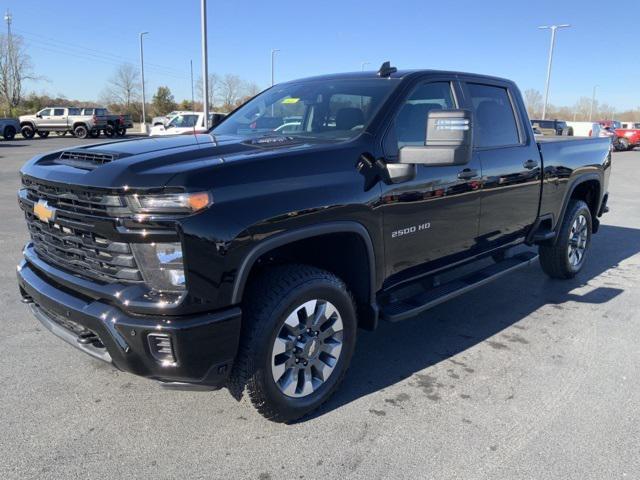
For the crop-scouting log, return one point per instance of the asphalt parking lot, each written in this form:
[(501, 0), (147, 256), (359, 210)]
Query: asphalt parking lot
[(526, 378)]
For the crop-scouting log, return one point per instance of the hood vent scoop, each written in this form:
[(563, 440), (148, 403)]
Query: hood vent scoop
[(84, 159)]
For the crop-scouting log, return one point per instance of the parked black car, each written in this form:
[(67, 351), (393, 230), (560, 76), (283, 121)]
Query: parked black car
[(248, 259), (553, 127)]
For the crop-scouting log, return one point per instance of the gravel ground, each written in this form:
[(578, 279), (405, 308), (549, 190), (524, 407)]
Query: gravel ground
[(524, 378)]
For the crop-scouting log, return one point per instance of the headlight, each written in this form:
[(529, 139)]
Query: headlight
[(161, 265), (169, 203)]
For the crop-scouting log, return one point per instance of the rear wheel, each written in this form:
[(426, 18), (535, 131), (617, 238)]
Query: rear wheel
[(81, 131), (109, 131), (9, 133), (43, 134), (94, 133), (299, 333), (28, 131), (122, 131), (567, 256)]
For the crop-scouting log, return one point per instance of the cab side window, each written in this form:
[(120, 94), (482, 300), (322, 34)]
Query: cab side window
[(58, 112), (411, 122), (494, 119)]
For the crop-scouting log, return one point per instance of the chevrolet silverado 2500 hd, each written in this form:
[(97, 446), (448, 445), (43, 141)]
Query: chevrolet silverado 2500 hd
[(248, 257)]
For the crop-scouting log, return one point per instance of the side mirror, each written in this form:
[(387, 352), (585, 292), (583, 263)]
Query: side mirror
[(38, 115), (448, 140)]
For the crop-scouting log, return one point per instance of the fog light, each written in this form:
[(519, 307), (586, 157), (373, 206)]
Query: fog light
[(161, 347)]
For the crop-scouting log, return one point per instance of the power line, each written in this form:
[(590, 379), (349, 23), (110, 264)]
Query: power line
[(93, 52)]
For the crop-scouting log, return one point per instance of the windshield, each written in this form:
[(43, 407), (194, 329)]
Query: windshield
[(332, 109), (183, 121)]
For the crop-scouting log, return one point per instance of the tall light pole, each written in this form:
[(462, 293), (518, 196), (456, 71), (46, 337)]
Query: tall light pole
[(193, 99), (273, 59), (593, 101), (143, 126), (553, 29), (205, 62), (364, 64), (8, 18)]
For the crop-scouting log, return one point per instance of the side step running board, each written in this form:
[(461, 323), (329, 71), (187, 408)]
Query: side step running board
[(411, 306)]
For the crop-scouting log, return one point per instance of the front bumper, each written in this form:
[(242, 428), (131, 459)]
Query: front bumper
[(204, 345)]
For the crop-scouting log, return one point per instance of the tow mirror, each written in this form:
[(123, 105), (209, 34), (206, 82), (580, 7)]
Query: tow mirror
[(448, 140)]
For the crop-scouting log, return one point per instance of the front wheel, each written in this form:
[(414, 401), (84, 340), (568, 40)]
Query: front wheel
[(299, 333), (122, 131), (567, 256), (27, 131), (622, 144), (94, 133), (43, 134)]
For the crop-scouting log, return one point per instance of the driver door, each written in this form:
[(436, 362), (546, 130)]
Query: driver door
[(435, 215)]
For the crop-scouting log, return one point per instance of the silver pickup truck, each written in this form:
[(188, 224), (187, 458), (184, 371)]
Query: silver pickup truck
[(61, 119)]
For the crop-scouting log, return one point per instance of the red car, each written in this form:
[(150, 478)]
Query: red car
[(628, 135)]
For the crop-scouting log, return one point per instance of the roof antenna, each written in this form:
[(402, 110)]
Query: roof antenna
[(386, 69)]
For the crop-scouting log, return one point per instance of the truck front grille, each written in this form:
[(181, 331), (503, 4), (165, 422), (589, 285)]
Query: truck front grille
[(69, 242), (72, 200)]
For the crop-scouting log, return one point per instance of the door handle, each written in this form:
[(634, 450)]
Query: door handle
[(467, 173), (530, 164)]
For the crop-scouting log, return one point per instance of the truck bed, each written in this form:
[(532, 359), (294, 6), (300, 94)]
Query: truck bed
[(564, 159)]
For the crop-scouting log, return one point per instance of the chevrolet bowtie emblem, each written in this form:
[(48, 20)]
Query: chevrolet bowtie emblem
[(44, 212)]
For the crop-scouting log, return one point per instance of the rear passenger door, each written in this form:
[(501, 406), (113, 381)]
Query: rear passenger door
[(510, 162), (59, 118)]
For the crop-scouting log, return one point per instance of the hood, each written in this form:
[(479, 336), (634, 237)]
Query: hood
[(153, 161)]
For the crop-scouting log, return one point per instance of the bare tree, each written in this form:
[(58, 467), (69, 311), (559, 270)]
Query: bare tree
[(123, 86), (251, 89), (533, 99), (230, 90), (15, 68), (213, 87), (582, 108)]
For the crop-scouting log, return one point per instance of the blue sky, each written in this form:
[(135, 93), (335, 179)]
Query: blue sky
[(77, 45)]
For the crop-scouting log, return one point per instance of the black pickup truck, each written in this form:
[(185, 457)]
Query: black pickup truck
[(249, 256)]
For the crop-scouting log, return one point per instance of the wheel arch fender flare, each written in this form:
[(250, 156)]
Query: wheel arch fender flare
[(303, 233), (569, 193)]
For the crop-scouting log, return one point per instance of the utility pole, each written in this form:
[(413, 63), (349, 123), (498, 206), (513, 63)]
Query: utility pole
[(273, 55), (553, 29), (143, 126), (593, 101), (192, 97), (205, 62)]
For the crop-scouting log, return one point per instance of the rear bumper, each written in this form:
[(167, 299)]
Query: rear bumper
[(204, 345)]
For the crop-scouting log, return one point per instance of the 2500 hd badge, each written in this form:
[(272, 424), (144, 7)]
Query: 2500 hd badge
[(409, 230)]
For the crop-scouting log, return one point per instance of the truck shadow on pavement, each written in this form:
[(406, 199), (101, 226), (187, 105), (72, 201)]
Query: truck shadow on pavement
[(395, 352)]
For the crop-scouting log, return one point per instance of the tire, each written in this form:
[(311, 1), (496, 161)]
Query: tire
[(109, 131), (81, 131), (61, 133), (557, 260), (122, 131), (9, 133), (94, 133), (277, 308), (43, 134), (27, 131), (623, 144)]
